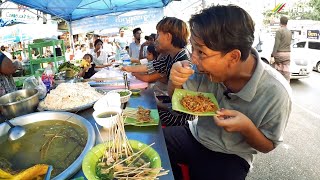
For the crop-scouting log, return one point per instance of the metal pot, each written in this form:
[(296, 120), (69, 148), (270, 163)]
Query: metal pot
[(19, 102)]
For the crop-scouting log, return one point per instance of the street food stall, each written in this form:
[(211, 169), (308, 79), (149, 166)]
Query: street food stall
[(66, 116)]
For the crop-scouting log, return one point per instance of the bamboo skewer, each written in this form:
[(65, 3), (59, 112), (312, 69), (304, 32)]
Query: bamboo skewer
[(118, 146)]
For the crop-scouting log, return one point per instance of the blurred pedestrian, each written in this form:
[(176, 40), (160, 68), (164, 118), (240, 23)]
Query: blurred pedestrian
[(281, 49)]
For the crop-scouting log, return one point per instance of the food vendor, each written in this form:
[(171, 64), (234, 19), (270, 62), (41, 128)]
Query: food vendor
[(7, 68)]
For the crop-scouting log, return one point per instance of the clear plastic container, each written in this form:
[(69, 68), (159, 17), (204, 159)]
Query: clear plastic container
[(126, 59)]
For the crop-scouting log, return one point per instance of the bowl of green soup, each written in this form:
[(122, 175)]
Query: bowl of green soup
[(124, 94), (107, 118), (135, 92)]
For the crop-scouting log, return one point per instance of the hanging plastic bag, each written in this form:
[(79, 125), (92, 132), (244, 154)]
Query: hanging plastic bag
[(33, 83)]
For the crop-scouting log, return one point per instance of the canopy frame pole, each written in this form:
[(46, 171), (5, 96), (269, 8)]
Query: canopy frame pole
[(71, 35), (87, 4)]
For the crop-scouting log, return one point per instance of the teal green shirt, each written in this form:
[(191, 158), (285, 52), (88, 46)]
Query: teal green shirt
[(265, 99)]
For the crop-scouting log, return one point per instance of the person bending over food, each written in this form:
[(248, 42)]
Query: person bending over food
[(255, 99), (172, 37), (152, 55)]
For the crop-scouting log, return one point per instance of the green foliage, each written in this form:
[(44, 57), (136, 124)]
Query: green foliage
[(315, 4), (67, 65)]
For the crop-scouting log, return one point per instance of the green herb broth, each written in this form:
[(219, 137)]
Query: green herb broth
[(55, 142)]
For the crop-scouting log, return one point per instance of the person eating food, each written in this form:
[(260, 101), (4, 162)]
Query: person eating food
[(254, 98), (87, 67)]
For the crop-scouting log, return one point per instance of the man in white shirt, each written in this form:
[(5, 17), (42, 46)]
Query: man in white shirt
[(134, 47)]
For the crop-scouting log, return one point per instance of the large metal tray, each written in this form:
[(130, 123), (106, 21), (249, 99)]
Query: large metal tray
[(47, 116)]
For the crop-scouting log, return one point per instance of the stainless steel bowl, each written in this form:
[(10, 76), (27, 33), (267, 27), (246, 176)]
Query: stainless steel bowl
[(19, 102), (53, 116)]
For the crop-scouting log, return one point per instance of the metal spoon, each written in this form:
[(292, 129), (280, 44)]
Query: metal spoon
[(15, 132)]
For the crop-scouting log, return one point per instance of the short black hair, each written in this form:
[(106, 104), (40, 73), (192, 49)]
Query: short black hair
[(3, 48), (91, 57), (284, 20), (97, 41), (136, 30), (224, 28), (152, 50)]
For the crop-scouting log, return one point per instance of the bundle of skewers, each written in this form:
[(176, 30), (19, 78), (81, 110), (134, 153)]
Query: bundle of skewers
[(141, 115), (121, 161)]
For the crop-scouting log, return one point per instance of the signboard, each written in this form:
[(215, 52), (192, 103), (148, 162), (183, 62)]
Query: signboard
[(313, 34), (26, 32), (20, 14), (132, 18)]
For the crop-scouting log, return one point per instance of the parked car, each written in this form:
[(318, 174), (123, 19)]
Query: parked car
[(305, 55), (310, 49)]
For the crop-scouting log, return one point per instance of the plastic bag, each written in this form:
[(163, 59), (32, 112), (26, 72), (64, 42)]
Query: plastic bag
[(33, 83)]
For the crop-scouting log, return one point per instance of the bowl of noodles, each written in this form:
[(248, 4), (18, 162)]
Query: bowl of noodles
[(94, 169), (195, 103)]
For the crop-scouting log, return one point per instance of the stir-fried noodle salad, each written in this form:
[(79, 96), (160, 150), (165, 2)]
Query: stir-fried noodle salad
[(198, 103)]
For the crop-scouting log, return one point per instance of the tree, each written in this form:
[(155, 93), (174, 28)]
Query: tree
[(315, 4)]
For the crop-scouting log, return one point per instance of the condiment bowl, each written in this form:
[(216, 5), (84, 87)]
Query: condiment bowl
[(107, 118)]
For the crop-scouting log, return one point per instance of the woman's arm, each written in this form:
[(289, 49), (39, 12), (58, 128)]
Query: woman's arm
[(147, 77), (139, 69), (133, 60), (103, 66)]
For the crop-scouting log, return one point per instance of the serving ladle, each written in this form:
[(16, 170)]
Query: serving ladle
[(15, 132)]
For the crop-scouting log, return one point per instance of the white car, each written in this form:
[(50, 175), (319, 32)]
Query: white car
[(305, 54), (309, 50)]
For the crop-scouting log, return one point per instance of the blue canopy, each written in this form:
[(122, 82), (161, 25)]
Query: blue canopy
[(71, 10)]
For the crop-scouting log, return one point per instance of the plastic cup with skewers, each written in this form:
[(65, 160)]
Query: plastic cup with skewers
[(107, 117)]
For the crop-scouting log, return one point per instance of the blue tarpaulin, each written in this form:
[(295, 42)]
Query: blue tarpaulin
[(132, 18), (71, 10)]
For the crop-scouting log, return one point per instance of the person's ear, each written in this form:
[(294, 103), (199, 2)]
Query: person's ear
[(234, 56), (168, 37)]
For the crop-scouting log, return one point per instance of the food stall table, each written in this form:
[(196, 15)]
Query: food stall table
[(113, 78), (147, 134)]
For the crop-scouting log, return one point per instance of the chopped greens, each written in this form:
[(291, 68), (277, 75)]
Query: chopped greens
[(124, 93)]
